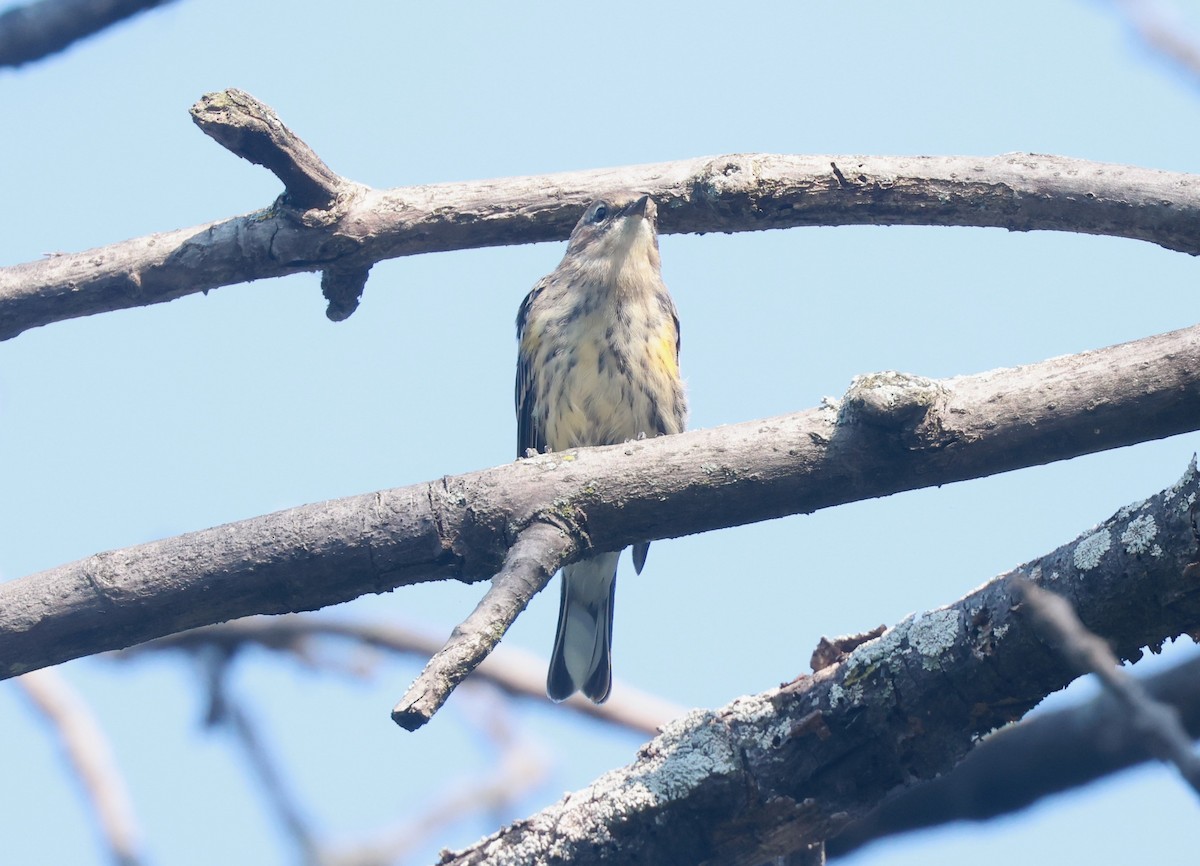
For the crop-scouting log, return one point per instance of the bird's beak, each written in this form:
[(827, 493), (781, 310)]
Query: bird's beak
[(642, 207)]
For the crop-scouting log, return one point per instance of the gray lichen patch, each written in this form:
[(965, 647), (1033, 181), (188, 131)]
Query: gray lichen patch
[(686, 754), (933, 633), (756, 712), (930, 634), (1139, 534), (865, 660), (1091, 550)]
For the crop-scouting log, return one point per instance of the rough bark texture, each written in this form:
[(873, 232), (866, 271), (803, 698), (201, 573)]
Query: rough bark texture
[(738, 192), (771, 773), (890, 433)]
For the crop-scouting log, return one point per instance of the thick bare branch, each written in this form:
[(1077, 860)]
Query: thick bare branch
[(90, 755), (890, 433), (1159, 724), (775, 772), (732, 193), (45, 27), (1022, 763), (531, 561)]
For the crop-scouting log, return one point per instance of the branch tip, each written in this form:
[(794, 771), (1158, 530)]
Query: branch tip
[(532, 560), (252, 130)]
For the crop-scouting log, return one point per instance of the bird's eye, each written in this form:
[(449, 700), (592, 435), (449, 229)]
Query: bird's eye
[(600, 213)]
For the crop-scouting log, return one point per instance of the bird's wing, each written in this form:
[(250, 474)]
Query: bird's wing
[(679, 410), (528, 436)]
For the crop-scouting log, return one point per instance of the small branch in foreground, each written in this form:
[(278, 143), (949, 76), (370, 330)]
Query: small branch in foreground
[(513, 671), (88, 752), (460, 527), (1021, 764), (45, 27), (1159, 724), (532, 560)]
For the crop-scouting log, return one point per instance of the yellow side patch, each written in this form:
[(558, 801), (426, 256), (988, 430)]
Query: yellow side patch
[(664, 353)]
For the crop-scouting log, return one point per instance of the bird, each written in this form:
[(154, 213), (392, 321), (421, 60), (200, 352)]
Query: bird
[(598, 364)]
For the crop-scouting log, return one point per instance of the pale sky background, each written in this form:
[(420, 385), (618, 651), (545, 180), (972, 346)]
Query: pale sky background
[(137, 425)]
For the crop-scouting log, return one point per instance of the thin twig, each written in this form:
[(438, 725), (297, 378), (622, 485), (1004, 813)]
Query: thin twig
[(1022, 764), (513, 671), (531, 562), (1151, 23), (263, 767), (1164, 735), (87, 750)]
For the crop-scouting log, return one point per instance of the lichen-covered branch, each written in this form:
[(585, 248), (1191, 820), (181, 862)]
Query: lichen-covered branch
[(913, 433), (774, 772), (731, 193)]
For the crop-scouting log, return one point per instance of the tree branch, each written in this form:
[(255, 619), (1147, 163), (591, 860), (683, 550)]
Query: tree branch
[(890, 433), (772, 773), (1159, 725), (39, 29), (732, 193), (532, 560), (89, 753), (1024, 763), (243, 125), (1162, 36), (513, 671)]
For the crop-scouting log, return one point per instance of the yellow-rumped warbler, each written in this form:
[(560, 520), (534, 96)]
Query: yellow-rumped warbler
[(598, 364)]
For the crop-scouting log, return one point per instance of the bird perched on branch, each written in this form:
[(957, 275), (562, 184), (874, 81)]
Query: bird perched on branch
[(598, 364)]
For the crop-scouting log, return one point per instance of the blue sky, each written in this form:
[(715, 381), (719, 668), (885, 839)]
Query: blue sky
[(146, 423)]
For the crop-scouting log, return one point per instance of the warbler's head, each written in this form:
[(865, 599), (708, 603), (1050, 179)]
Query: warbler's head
[(619, 230)]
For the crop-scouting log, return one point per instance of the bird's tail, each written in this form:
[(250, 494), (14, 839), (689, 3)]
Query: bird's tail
[(583, 644)]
